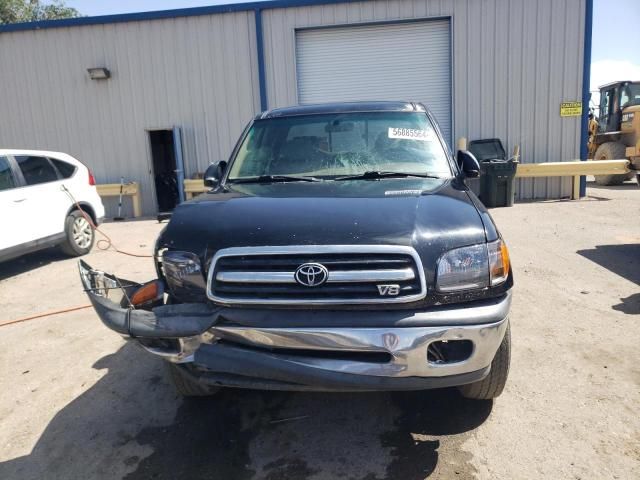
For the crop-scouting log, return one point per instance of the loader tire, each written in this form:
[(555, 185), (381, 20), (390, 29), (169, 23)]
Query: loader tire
[(610, 151)]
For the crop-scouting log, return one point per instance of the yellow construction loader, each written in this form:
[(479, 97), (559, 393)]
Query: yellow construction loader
[(615, 134)]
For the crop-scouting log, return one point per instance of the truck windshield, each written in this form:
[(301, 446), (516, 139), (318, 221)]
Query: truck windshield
[(330, 146)]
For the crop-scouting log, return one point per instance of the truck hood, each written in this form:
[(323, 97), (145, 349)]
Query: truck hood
[(432, 215)]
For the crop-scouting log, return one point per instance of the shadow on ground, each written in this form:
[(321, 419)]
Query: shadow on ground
[(628, 185), (131, 424), (31, 261), (623, 260), (599, 192), (629, 305)]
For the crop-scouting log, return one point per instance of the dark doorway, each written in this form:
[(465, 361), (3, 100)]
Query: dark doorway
[(163, 156)]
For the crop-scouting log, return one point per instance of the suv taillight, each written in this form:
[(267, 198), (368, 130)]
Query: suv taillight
[(92, 179)]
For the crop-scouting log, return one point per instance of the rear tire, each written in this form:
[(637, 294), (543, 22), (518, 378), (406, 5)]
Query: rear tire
[(186, 386), (610, 151), (79, 235), (492, 385)]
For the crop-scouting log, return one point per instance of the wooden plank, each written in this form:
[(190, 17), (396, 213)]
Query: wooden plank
[(194, 187), (575, 190), (113, 189), (136, 199), (130, 189), (570, 169)]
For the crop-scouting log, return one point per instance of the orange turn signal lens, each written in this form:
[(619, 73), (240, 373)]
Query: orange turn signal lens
[(499, 262), (147, 293)]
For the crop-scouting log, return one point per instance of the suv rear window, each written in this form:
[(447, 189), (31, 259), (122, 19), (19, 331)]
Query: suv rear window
[(65, 169), (6, 175), (36, 170)]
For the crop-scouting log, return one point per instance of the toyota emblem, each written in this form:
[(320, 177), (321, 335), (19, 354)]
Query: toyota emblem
[(311, 274)]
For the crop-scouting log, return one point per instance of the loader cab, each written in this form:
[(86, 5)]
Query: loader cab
[(614, 98)]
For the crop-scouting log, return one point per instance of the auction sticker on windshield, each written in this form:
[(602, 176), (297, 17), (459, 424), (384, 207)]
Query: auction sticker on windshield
[(411, 134)]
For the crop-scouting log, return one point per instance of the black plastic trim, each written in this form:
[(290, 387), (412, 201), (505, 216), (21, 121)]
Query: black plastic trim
[(225, 365)]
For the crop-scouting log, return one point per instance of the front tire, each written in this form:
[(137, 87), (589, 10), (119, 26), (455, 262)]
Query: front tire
[(79, 235), (610, 151), (492, 385), (185, 385)]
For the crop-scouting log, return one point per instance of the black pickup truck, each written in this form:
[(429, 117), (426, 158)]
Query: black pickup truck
[(339, 249)]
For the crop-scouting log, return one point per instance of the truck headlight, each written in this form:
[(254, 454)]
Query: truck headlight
[(473, 267), (184, 276)]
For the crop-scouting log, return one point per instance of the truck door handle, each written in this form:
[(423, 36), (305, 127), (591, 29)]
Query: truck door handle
[(18, 200)]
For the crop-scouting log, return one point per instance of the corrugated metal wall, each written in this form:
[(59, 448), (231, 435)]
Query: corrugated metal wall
[(334, 64), (514, 62), (198, 73)]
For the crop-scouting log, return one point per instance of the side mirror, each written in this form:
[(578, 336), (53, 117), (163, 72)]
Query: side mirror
[(468, 164), (213, 174)]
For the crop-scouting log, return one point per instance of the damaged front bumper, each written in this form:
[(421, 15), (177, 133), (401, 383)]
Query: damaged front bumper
[(308, 349)]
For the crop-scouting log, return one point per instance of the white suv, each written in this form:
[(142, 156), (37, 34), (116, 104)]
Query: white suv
[(39, 197)]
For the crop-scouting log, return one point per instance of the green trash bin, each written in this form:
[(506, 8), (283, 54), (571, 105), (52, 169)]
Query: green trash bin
[(497, 175), (497, 179)]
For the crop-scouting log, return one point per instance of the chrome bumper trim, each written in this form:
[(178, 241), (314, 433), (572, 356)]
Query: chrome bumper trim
[(407, 347)]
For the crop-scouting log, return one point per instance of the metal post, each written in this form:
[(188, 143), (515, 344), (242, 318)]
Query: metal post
[(586, 80)]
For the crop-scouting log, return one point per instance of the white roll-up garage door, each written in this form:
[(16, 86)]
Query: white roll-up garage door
[(397, 61)]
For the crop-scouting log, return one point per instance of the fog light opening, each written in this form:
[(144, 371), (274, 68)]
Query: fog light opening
[(449, 351)]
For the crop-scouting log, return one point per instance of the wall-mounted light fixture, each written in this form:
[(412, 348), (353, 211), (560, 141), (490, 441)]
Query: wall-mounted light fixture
[(99, 73)]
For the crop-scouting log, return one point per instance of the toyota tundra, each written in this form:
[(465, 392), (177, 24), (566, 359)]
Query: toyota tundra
[(338, 249)]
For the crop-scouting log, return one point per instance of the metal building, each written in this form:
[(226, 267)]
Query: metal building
[(182, 84)]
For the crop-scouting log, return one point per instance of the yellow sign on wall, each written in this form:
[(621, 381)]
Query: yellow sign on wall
[(570, 109)]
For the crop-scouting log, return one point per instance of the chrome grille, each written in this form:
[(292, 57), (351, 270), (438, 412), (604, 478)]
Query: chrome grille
[(266, 275)]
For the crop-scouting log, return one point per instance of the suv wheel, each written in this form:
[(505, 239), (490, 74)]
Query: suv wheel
[(492, 385), (79, 235), (185, 385)]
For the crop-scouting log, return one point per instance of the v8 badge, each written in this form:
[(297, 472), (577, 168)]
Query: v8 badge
[(389, 290)]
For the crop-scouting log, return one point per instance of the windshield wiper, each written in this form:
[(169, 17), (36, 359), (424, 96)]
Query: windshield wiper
[(376, 174), (274, 179)]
